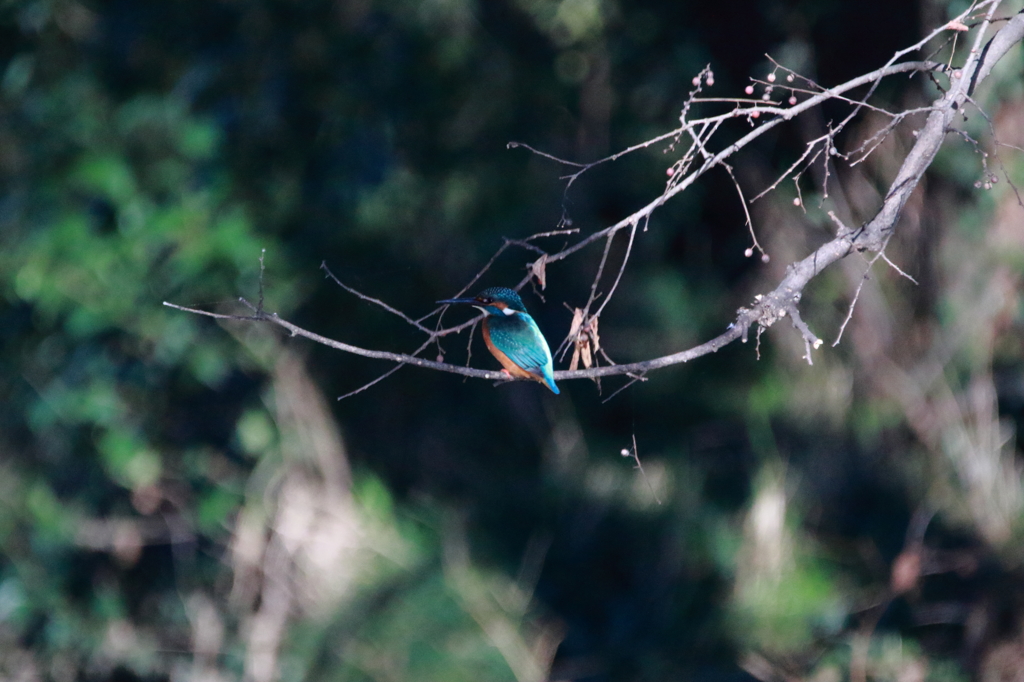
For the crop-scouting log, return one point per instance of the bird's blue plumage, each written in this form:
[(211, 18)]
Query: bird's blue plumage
[(501, 296), (512, 336), (519, 337)]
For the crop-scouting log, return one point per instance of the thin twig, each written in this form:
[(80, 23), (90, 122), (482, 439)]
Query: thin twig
[(853, 302), (634, 379), (622, 268), (746, 209), (634, 453), (362, 296)]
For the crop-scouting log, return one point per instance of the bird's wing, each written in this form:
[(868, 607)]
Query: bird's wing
[(520, 339)]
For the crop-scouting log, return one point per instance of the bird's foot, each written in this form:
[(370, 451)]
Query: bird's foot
[(506, 378)]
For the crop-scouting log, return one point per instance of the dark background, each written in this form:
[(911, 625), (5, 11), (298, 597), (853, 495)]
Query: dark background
[(150, 152)]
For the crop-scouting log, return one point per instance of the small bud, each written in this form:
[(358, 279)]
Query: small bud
[(789, 78), (833, 151), (957, 74), (765, 258), (748, 253), (670, 171), (796, 201), (765, 97), (987, 185), (624, 452), (755, 114), (977, 184), (792, 100), (749, 89), (710, 79), (993, 179), (696, 81), (771, 78)]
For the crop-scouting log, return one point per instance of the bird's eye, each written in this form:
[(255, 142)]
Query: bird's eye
[(485, 300)]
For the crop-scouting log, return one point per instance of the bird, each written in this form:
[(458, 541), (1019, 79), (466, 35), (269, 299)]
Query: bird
[(512, 336)]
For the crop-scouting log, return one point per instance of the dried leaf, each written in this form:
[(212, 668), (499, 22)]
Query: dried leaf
[(594, 338), (957, 25), (574, 363), (539, 269), (585, 353), (577, 321)]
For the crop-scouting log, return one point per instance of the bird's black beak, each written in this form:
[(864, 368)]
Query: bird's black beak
[(459, 300)]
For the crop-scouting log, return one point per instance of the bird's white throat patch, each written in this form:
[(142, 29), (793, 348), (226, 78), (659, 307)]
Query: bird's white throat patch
[(507, 311)]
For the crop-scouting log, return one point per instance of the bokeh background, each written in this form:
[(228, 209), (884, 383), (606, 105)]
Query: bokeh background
[(187, 500)]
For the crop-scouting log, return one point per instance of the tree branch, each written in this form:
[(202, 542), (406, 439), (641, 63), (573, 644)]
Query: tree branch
[(784, 299)]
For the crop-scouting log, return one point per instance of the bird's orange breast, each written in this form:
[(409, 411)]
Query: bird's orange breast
[(506, 362)]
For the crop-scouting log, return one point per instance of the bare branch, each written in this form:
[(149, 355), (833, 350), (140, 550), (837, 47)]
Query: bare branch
[(634, 378), (622, 268), (635, 454), (811, 342), (895, 267), (853, 302), (746, 208), (767, 309), (364, 297), (782, 116)]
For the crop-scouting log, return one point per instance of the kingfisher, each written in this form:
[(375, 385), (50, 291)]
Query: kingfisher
[(512, 336)]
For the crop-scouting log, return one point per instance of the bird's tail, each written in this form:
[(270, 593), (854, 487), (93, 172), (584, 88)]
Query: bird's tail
[(549, 381)]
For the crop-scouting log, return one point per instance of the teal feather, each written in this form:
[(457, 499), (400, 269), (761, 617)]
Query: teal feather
[(512, 335), (519, 337)]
